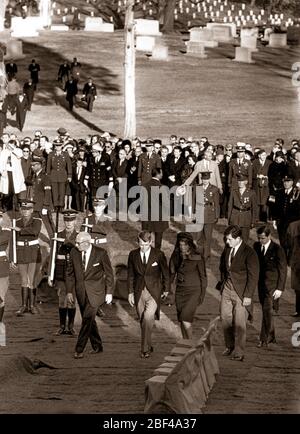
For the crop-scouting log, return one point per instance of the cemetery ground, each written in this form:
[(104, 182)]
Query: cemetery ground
[(215, 97)]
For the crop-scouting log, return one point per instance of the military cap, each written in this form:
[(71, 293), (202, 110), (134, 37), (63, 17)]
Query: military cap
[(241, 177), (27, 203), (148, 142), (205, 175), (98, 200), (69, 214), (240, 148), (37, 156), (57, 142), (62, 131), (288, 178), (279, 154)]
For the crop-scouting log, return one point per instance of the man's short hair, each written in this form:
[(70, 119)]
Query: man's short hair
[(145, 236), (265, 229), (156, 171), (178, 148), (234, 230)]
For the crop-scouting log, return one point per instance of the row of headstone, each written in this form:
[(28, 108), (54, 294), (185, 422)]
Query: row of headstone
[(148, 39), (96, 24)]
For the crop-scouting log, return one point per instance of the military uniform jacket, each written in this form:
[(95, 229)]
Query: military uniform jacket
[(64, 247), (89, 90), (245, 168), (146, 165), (5, 236), (98, 229), (211, 199), (242, 209), (28, 248), (99, 174), (59, 167), (40, 189), (287, 206), (261, 185)]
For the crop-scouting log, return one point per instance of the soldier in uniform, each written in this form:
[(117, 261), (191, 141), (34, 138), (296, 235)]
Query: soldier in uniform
[(242, 207), (65, 242), (239, 166), (59, 169), (147, 162), (4, 264), (211, 214), (40, 191), (98, 225), (28, 254), (98, 172), (287, 206)]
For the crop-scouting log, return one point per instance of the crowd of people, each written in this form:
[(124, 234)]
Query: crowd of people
[(242, 184)]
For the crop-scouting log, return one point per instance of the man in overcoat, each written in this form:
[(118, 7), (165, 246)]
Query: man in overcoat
[(148, 280)]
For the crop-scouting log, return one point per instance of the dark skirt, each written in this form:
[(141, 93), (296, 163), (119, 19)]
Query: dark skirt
[(187, 301)]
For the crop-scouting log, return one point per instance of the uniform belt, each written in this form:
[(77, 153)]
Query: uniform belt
[(61, 257), (241, 209), (99, 240), (27, 243), (2, 253)]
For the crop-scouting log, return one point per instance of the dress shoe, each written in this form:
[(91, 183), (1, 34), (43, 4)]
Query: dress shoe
[(261, 344), (97, 350), (78, 356), (227, 352), (237, 358), (33, 310), (60, 331), (296, 314), (70, 332), (21, 311), (272, 341), (144, 354)]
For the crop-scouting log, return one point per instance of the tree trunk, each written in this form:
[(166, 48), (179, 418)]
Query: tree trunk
[(168, 26), (3, 4), (129, 73)]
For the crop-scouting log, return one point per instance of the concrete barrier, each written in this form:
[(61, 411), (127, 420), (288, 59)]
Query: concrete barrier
[(182, 383)]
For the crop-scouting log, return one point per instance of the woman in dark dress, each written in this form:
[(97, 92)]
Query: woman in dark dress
[(188, 266)]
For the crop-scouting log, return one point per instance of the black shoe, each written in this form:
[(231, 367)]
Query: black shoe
[(78, 355), (227, 352), (262, 344), (296, 314), (237, 358), (97, 350), (144, 354), (272, 341), (21, 311), (60, 331), (100, 313)]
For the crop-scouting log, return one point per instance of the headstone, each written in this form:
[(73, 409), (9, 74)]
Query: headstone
[(25, 27), (249, 38), (205, 36), (267, 33), (243, 54), (145, 43), (14, 50), (59, 28), (160, 51), (231, 25), (196, 49), (278, 40), (96, 24), (147, 27), (45, 12), (222, 34)]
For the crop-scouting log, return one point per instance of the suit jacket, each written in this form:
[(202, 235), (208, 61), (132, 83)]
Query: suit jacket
[(150, 224), (272, 267), (175, 169), (244, 271), (146, 165), (77, 184), (96, 281), (261, 185), (293, 170), (155, 276), (201, 167)]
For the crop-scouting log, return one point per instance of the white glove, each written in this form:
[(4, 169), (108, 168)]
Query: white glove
[(131, 299), (86, 183), (246, 301), (44, 211), (50, 282), (108, 298), (276, 294), (70, 298)]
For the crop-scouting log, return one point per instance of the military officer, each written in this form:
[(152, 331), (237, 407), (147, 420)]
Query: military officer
[(59, 169), (65, 242), (239, 166), (98, 172), (39, 188), (28, 254), (211, 211), (148, 161), (242, 207), (98, 224), (5, 236)]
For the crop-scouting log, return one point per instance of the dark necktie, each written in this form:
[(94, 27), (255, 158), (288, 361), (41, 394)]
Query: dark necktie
[(231, 257), (84, 260), (144, 259), (263, 250)]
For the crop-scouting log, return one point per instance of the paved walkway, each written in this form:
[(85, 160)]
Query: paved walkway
[(268, 381)]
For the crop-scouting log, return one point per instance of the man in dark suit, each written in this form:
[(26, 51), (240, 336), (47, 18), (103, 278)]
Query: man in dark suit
[(71, 91), (272, 278), (34, 69), (90, 272), (148, 280), (89, 94), (21, 110), (154, 222), (78, 188), (11, 70), (28, 90), (239, 269)]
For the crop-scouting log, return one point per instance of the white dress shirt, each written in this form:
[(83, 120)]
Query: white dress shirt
[(147, 254), (88, 254), (266, 246)]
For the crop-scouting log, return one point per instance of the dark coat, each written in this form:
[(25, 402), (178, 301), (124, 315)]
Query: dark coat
[(21, 110), (261, 185), (244, 271), (99, 174), (149, 225), (235, 169), (146, 165), (176, 170), (71, 89), (272, 268), (28, 89), (40, 190), (155, 276), (5, 236), (59, 167), (95, 282), (211, 204), (293, 170), (276, 172), (293, 253), (89, 90), (34, 69)]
